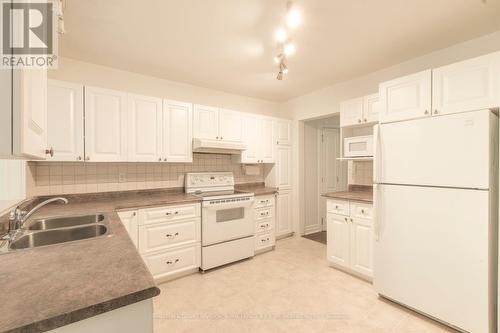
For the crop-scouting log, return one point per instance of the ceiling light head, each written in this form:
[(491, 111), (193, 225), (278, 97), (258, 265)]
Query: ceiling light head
[(289, 49), (280, 35), (280, 76), (278, 58), (293, 17), (283, 68)]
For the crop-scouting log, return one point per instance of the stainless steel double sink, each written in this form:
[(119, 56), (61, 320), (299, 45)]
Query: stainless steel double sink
[(57, 230)]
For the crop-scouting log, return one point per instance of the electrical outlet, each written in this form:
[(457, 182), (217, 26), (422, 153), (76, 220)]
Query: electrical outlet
[(122, 177)]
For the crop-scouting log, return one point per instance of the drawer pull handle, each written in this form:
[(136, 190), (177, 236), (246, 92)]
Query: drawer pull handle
[(345, 218), (362, 211), (174, 262), (170, 213), (170, 235)]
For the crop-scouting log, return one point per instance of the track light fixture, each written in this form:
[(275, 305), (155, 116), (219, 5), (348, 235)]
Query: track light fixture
[(286, 48)]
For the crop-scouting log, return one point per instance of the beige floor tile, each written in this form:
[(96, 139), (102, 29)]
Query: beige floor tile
[(291, 289)]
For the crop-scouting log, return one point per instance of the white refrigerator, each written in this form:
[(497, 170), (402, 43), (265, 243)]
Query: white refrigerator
[(436, 202)]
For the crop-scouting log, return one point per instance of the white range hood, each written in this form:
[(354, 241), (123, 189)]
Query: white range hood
[(217, 147)]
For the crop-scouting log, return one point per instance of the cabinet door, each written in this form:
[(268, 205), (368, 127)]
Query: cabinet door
[(284, 167), (338, 239), (268, 141), (144, 128), (129, 221), (30, 113), (65, 120), (466, 86), (362, 246), (252, 139), (406, 98), (205, 122), (105, 125), (177, 131), (371, 106), (284, 216), (284, 132), (351, 112), (230, 126)]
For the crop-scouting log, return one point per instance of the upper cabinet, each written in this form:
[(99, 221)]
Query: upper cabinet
[(65, 121), (206, 122), (469, 85), (105, 125), (144, 128), (28, 116), (217, 124), (407, 97), (359, 111), (260, 139), (284, 132), (177, 131)]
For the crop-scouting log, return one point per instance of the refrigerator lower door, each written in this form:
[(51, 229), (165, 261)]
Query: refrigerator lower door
[(433, 252), (450, 151)]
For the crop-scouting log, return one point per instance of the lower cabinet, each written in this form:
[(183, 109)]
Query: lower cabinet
[(284, 217), (350, 237), (265, 222), (168, 238)]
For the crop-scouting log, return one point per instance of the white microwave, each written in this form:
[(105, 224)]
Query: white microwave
[(358, 146)]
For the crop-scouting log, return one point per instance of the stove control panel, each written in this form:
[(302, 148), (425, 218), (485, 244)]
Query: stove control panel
[(203, 181)]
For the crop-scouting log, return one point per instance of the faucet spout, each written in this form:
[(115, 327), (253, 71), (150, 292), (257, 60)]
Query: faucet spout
[(24, 218)]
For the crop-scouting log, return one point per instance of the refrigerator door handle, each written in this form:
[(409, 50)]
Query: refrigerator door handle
[(376, 154), (376, 215)]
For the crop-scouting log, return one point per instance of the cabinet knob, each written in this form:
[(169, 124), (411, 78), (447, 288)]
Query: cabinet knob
[(221, 138), (359, 120), (345, 218), (87, 158), (134, 214), (159, 160), (426, 112), (164, 160), (436, 111), (217, 138), (79, 158), (366, 120), (362, 211), (50, 152), (352, 220)]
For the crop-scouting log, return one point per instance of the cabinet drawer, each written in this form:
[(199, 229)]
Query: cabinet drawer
[(264, 213), (264, 201), (155, 237), (264, 226), (338, 207), (168, 213), (264, 240), (361, 210), (175, 261)]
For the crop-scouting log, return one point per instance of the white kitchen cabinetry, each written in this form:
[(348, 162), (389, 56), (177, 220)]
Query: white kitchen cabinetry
[(129, 221), (169, 239), (284, 132), (144, 128), (65, 121), (283, 217), (405, 98), (217, 124), (284, 168), (265, 222), (350, 236), (359, 111), (105, 125), (259, 137), (466, 86), (177, 131)]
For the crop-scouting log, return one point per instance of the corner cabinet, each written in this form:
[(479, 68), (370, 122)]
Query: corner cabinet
[(105, 125), (350, 236), (65, 121)]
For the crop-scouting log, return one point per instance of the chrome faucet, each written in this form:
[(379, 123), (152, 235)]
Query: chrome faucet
[(18, 217)]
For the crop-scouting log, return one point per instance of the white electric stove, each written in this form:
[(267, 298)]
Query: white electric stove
[(227, 222)]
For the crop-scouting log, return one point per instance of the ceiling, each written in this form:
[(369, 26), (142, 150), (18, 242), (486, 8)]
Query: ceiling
[(229, 45)]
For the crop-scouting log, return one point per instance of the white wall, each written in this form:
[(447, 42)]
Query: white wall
[(107, 77), (326, 101)]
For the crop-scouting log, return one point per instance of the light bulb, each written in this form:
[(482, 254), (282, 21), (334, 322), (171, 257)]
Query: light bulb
[(285, 71), (293, 18), (289, 49), (280, 35)]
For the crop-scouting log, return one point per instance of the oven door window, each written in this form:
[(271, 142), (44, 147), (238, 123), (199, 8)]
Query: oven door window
[(226, 215)]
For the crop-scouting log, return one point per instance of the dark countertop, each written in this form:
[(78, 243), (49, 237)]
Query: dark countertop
[(257, 188), (362, 196), (52, 286)]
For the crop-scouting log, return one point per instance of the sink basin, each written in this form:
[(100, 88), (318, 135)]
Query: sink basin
[(56, 236), (64, 222)]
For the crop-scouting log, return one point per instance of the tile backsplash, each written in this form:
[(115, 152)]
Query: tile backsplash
[(51, 178), (360, 173)]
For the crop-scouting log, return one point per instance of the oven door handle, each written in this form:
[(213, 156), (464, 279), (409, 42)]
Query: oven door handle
[(237, 204)]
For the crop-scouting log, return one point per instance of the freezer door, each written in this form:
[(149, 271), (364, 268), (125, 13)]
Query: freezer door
[(449, 151), (431, 253)]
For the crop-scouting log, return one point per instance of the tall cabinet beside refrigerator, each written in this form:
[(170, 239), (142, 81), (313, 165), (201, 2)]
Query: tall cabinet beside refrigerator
[(436, 203)]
